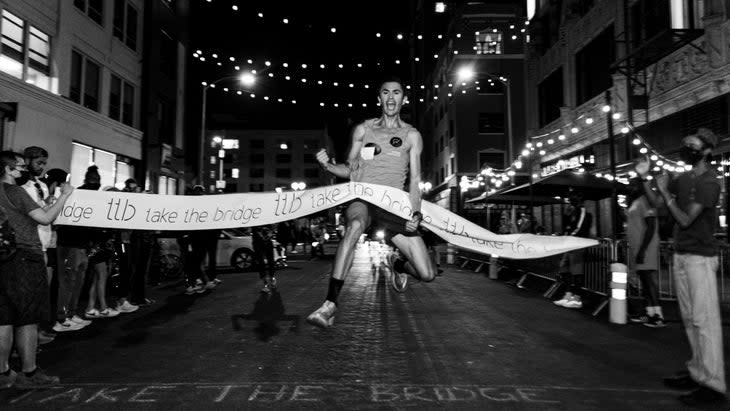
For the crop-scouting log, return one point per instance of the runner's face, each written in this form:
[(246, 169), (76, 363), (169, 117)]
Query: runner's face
[(391, 97), (37, 166)]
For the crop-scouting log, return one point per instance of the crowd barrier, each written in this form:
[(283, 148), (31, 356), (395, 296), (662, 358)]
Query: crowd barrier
[(596, 269)]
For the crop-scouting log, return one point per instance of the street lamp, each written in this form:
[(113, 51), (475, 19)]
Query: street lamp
[(298, 185), (248, 79)]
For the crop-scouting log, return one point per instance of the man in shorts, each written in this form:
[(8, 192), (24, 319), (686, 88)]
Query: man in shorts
[(23, 285), (386, 151)]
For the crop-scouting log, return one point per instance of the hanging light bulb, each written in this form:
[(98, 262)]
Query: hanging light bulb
[(654, 157), (525, 152), (561, 137), (636, 142), (643, 150), (624, 130), (539, 144), (550, 141), (574, 130), (518, 164), (606, 108), (616, 116), (542, 152), (589, 120)]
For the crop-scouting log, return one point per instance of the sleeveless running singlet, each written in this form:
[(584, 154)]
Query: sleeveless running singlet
[(384, 156)]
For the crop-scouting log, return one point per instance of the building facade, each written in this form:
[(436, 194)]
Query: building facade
[(642, 73), (472, 113), (264, 160), (72, 80)]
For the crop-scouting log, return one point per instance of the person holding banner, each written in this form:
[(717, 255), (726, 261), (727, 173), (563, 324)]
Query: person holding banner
[(386, 151), (23, 283)]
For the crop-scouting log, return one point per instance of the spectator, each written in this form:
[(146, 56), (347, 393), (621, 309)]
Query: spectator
[(100, 253), (643, 236), (193, 249), (576, 223), (23, 283), (73, 244), (263, 249), (138, 256), (524, 224), (36, 159), (283, 234), (692, 199), (54, 179)]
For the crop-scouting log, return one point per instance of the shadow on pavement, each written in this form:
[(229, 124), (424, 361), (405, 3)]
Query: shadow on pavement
[(267, 311)]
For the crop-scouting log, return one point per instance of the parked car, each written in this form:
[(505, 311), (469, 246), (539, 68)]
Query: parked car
[(235, 249)]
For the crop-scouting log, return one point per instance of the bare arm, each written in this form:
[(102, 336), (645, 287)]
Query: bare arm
[(47, 214), (648, 235), (654, 199), (415, 167), (343, 170)]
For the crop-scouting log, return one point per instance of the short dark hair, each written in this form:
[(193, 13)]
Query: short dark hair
[(8, 158), (130, 181), (35, 152), (390, 79), (55, 175)]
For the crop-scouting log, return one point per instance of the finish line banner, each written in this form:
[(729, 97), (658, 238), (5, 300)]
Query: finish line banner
[(133, 211)]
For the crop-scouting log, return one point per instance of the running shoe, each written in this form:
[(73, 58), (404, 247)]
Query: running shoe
[(39, 379), (210, 285), (655, 322), (105, 313), (66, 325), (398, 280), (574, 302), (639, 319), (80, 321), (561, 302), (127, 307), (324, 317)]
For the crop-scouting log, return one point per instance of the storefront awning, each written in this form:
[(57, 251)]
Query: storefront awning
[(559, 184)]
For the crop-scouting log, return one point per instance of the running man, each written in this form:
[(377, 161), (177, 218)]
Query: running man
[(386, 151)]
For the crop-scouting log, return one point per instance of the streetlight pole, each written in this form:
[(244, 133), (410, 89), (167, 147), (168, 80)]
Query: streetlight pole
[(248, 79)]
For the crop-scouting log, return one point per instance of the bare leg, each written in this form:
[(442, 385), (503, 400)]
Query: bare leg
[(419, 262), (358, 220), (26, 341), (102, 272), (6, 345), (92, 290)]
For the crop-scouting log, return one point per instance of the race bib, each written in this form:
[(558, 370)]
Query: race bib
[(367, 153)]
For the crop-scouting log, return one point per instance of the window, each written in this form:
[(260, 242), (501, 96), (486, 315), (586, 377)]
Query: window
[(84, 88), (550, 97), (283, 172), (592, 64), (125, 23), (19, 41), (491, 158), (309, 158), (13, 44), (311, 173), (114, 170), (256, 144), (167, 185), (283, 158), (452, 161), (256, 158), (92, 8), (256, 172), (121, 101), (488, 42), (491, 123)]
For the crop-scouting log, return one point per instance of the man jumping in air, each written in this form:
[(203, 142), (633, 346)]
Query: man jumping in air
[(385, 151)]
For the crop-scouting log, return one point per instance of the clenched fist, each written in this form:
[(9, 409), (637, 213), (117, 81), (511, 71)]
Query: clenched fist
[(323, 157)]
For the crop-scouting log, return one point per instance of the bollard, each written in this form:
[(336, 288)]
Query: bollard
[(617, 305), (449, 254), (493, 268)]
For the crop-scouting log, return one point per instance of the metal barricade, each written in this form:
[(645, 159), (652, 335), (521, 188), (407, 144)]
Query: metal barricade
[(596, 266), (665, 277)]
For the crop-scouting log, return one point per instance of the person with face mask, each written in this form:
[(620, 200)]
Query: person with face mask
[(23, 284), (692, 198), (576, 223)]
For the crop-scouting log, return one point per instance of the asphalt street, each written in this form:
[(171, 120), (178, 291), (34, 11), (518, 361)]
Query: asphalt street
[(461, 342)]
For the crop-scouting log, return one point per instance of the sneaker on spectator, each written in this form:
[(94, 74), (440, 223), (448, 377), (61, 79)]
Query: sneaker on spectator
[(574, 302), (655, 322), (561, 302), (143, 303), (38, 380), (80, 321), (7, 381), (217, 281), (126, 307), (191, 289), (639, 319), (66, 325), (108, 313), (210, 285)]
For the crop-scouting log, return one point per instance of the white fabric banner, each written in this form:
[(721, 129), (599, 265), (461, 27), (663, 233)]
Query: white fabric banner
[(112, 209)]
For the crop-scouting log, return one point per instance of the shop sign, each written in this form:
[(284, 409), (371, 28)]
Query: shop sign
[(568, 164)]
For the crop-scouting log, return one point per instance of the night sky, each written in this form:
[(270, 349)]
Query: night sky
[(307, 39)]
